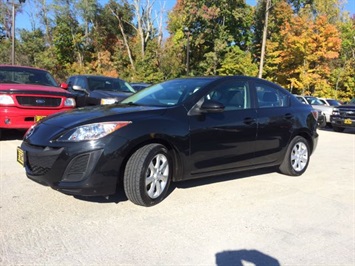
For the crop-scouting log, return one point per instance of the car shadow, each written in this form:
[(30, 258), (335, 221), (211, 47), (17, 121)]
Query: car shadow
[(12, 134), (240, 257), (346, 130), (221, 178), (120, 195)]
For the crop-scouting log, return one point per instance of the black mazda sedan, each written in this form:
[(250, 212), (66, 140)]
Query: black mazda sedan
[(176, 130)]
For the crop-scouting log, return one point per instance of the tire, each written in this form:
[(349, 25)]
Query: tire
[(323, 124), (297, 157), (148, 175), (338, 129)]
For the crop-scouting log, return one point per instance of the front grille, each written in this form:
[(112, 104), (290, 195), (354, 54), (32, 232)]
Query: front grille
[(350, 113), (38, 101), (40, 165)]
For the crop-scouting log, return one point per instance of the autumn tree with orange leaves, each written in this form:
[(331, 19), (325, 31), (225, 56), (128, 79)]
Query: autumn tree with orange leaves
[(308, 48)]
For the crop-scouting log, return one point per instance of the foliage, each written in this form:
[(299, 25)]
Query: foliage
[(304, 58), (211, 27), (238, 62)]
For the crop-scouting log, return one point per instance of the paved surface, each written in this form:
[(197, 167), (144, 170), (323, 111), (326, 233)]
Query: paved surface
[(254, 218)]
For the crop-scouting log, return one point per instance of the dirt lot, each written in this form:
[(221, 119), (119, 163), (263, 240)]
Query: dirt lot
[(253, 218)]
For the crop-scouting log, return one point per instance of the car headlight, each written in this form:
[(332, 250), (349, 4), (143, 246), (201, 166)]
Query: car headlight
[(335, 111), (69, 102), (108, 101), (6, 100), (92, 131)]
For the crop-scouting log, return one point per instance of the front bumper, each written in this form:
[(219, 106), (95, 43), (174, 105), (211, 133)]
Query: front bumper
[(74, 170), (342, 122), (24, 118)]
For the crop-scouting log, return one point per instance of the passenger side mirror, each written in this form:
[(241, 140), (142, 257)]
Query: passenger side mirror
[(64, 86)]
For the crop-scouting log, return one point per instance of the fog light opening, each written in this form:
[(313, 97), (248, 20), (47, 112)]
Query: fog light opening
[(7, 121)]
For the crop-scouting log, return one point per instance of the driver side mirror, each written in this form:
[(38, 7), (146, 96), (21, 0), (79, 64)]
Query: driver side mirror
[(210, 106), (78, 88)]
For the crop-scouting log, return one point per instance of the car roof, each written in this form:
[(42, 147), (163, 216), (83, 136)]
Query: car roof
[(93, 76), (24, 67)]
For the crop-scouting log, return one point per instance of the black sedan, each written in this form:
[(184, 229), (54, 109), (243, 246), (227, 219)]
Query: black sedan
[(173, 131), (95, 90)]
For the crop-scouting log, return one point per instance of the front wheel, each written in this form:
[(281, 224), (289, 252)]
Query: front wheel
[(297, 157), (147, 175)]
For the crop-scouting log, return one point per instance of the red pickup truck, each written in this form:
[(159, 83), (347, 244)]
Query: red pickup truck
[(27, 95)]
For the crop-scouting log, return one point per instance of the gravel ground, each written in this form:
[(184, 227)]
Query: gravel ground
[(252, 218)]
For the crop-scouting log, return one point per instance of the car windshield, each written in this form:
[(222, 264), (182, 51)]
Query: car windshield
[(333, 102), (314, 101), (168, 93), (23, 75), (109, 84)]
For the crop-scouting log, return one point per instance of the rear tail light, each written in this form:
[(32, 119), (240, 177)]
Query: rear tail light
[(315, 114)]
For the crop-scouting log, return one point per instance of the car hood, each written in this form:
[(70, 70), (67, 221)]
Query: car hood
[(87, 115), (323, 108), (346, 106), (25, 88), (110, 94)]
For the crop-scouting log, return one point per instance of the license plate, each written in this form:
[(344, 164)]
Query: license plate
[(348, 121), (39, 117), (20, 156)]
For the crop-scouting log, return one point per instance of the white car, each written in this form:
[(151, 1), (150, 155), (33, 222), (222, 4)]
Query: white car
[(317, 105)]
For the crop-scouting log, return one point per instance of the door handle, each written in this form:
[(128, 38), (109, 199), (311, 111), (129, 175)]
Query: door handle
[(248, 120), (288, 116)]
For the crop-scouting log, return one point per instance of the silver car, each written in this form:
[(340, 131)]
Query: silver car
[(318, 105)]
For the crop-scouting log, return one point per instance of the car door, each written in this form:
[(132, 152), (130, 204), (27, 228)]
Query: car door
[(275, 122), (224, 141)]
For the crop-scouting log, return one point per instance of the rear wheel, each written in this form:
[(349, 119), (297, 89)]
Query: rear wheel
[(297, 157), (147, 175), (338, 129)]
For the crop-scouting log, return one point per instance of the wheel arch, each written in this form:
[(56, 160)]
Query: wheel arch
[(174, 151), (308, 137)]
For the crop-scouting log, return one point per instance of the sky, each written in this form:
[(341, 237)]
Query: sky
[(23, 19)]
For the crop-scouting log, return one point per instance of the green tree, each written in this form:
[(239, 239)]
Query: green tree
[(343, 74), (212, 28), (238, 62), (32, 46)]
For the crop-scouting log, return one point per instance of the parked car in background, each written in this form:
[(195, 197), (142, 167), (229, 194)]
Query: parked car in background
[(176, 130), (343, 117), (318, 105), (330, 102), (96, 90), (27, 95), (137, 86)]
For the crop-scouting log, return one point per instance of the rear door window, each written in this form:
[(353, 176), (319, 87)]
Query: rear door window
[(269, 96)]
